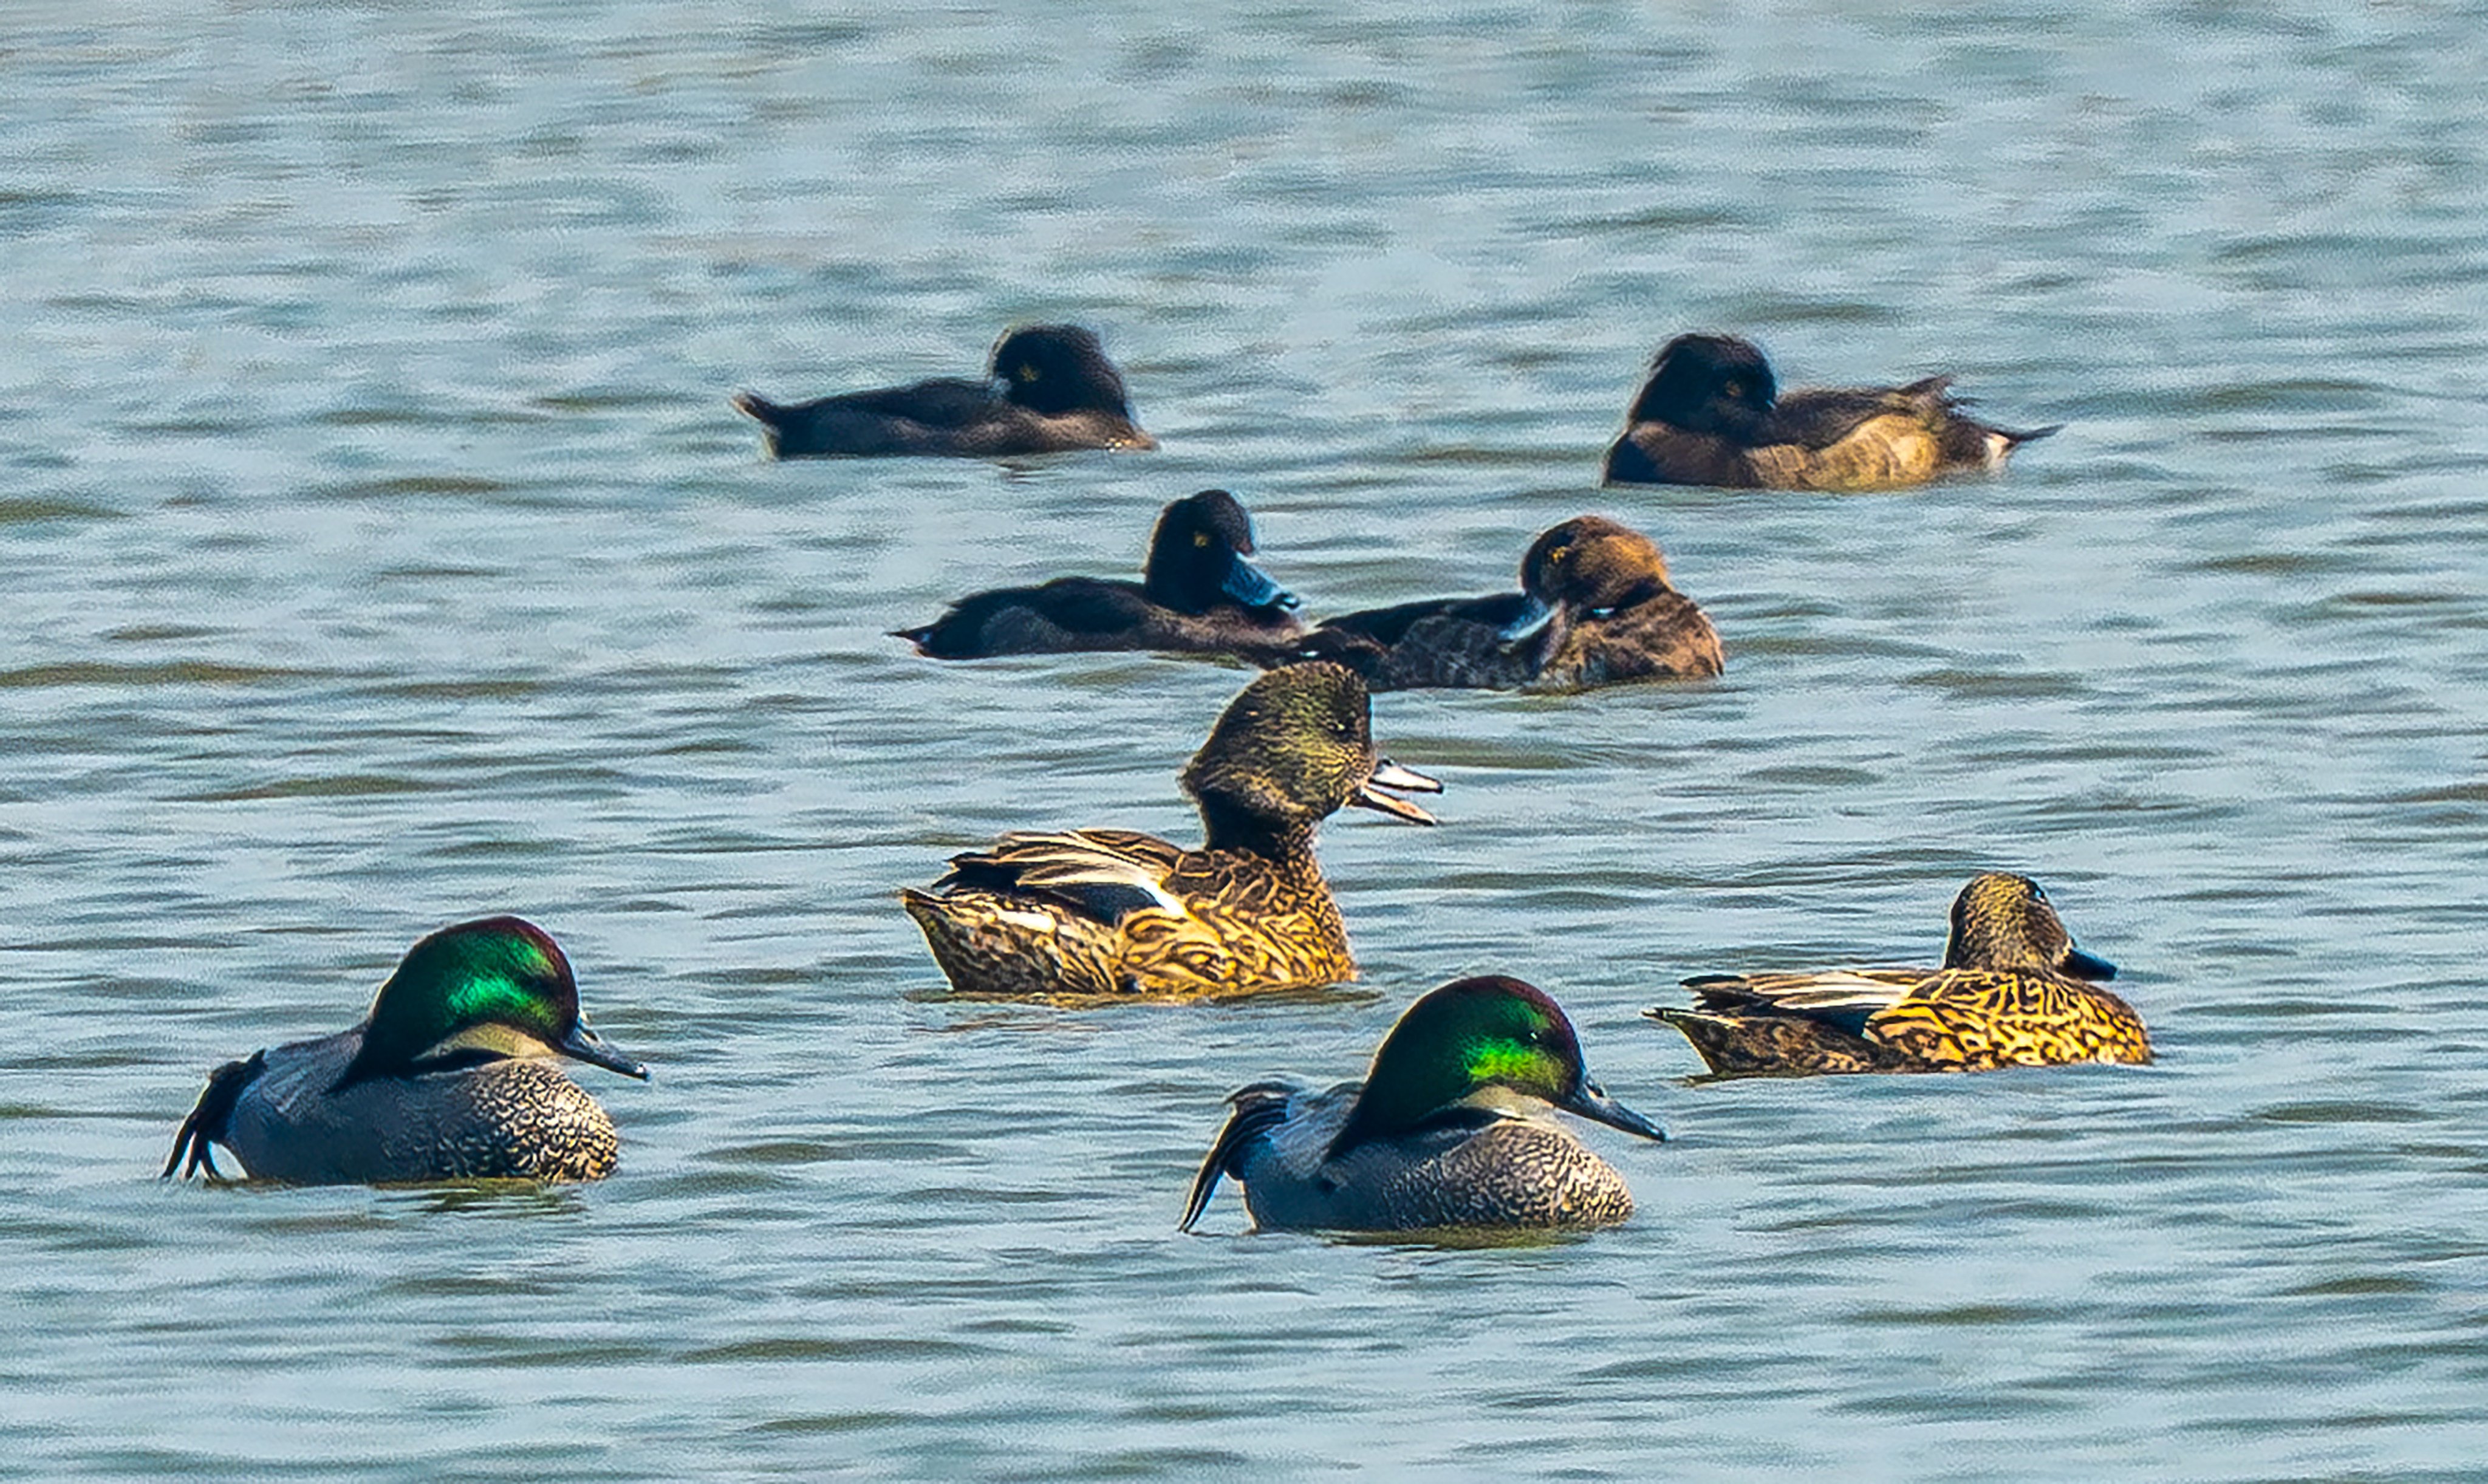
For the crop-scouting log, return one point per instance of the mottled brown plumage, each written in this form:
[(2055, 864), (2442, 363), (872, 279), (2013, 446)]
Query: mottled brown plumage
[(1092, 913), (1712, 413), (2014, 991), (1596, 607)]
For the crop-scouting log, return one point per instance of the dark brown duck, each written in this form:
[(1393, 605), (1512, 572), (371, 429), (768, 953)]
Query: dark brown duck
[(1048, 389), (1594, 607), (1713, 413)]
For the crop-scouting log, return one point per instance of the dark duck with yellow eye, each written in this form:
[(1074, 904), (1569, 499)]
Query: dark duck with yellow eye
[(2014, 991), (1451, 1127), (451, 1076), (1713, 413), (1049, 388), (1105, 913), (1199, 594), (1594, 607)]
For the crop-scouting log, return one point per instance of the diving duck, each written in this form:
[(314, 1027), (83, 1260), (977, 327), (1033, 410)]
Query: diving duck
[(2014, 991), (1115, 913), (1450, 1127), (1198, 594), (1594, 607), (450, 1077), (1048, 389), (1713, 413)]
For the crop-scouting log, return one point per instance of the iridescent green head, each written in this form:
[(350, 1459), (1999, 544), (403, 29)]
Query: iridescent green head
[(2006, 921), (1468, 1037), (1294, 748), (498, 986)]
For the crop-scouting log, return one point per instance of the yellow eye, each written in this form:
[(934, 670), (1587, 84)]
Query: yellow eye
[(1558, 554), (1201, 538), (1732, 389), (1027, 372)]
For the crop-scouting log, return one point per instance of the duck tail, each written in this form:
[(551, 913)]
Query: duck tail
[(1714, 1040), (752, 405), (921, 637), (194, 1145), (1257, 1109)]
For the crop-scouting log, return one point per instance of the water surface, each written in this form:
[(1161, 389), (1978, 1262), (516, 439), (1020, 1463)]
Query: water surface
[(381, 550)]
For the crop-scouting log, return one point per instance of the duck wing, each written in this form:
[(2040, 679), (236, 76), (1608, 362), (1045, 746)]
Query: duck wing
[(1257, 1111), (1102, 874), (1817, 418), (1846, 998)]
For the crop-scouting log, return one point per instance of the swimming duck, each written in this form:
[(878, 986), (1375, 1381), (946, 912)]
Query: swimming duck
[(1049, 387), (1450, 1127), (1200, 594), (2014, 991), (1112, 912), (1593, 608), (449, 1077), (1712, 413)]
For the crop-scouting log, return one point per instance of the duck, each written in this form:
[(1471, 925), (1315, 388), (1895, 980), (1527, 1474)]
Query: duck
[(1713, 413), (1450, 1127), (1048, 389), (1594, 607), (1200, 593), (450, 1077), (1093, 914), (2014, 991)]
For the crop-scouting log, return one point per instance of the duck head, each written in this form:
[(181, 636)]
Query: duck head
[(497, 987), (1058, 368), (1201, 556), (1719, 384), (2005, 922), (1294, 748), (1589, 567), (1489, 1043)]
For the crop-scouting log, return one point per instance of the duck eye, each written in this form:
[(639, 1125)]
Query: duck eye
[(1731, 387), (1559, 554), (1201, 538), (1026, 371)]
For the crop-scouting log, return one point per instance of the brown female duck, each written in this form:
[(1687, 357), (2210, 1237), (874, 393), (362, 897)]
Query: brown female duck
[(2014, 991), (1712, 413), (1112, 912), (1199, 594), (1594, 607)]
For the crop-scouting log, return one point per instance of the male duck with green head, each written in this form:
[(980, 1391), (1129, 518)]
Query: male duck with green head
[(1450, 1127), (451, 1076)]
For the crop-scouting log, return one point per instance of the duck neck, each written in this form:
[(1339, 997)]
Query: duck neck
[(1231, 827)]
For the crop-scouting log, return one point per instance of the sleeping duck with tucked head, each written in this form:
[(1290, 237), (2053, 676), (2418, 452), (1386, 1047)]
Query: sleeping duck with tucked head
[(1200, 594), (2014, 991), (451, 1076), (1713, 413), (1451, 1127), (1594, 607), (1093, 914), (1047, 389)]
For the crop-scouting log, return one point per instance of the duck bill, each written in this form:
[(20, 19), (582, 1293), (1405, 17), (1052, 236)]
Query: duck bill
[(1387, 773), (2090, 966), (1532, 622), (589, 1047), (1250, 585), (1592, 1103)]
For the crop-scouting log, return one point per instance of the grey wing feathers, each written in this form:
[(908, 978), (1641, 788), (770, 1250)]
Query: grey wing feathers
[(1257, 1109)]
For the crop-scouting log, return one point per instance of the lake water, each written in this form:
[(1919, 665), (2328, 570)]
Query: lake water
[(380, 551)]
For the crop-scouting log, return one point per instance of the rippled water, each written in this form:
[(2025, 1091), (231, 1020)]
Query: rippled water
[(381, 550)]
